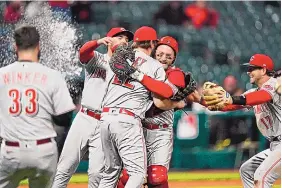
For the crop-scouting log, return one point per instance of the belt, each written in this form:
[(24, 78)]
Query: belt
[(38, 142), (276, 138), (91, 113), (154, 126), (118, 111)]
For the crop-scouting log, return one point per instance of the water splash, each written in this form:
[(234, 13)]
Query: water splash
[(58, 37), (59, 40)]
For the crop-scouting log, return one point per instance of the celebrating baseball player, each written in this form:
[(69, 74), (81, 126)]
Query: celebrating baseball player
[(125, 104), (158, 124), (84, 133), (31, 102), (264, 168)]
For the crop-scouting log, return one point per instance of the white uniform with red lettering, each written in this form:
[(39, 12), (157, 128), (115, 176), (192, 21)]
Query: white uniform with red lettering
[(158, 134), (122, 137), (29, 94), (266, 165), (84, 133)]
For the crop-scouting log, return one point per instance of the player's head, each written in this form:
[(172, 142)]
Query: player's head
[(120, 36), (166, 51), (27, 40), (230, 84), (146, 38), (260, 68)]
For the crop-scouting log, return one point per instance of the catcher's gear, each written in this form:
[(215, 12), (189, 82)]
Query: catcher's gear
[(190, 87), (121, 60), (216, 98)]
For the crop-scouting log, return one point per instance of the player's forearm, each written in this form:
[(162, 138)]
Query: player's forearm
[(86, 52), (253, 98), (157, 87), (167, 104), (232, 107)]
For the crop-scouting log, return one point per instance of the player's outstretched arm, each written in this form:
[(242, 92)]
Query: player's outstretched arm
[(167, 104), (218, 99), (86, 52)]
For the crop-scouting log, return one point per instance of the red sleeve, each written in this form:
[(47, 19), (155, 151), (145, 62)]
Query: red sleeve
[(257, 97), (232, 107), (177, 78), (86, 52), (157, 87)]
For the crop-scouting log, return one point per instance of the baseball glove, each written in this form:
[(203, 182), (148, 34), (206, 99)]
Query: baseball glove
[(215, 96), (121, 61), (190, 87)]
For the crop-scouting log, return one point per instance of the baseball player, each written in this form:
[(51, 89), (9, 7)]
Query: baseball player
[(31, 103), (124, 106), (264, 168), (157, 129), (84, 133)]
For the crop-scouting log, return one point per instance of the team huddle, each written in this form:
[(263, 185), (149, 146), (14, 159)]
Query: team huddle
[(127, 108)]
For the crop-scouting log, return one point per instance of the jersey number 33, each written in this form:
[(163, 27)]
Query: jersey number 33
[(25, 101)]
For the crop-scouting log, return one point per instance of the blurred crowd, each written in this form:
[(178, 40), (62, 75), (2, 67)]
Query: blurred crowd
[(198, 14)]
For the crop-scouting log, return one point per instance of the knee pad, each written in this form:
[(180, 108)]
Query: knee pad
[(157, 174), (124, 177)]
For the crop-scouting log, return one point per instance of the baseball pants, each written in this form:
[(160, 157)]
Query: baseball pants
[(159, 143), (264, 167), (28, 159), (83, 135), (123, 144)]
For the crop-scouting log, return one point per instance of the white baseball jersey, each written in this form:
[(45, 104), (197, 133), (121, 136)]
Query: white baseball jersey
[(97, 77), (131, 94), (29, 94), (268, 115)]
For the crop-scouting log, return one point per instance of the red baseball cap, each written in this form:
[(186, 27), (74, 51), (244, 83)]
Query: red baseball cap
[(260, 60), (120, 30), (170, 41), (145, 33)]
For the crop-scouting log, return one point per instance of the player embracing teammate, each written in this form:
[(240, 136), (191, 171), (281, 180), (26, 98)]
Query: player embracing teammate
[(157, 125)]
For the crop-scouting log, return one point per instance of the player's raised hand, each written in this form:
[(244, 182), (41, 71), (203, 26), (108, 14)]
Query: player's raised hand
[(106, 41)]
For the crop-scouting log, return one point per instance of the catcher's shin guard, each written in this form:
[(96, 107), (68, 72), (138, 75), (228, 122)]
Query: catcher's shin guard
[(157, 176), (123, 179)]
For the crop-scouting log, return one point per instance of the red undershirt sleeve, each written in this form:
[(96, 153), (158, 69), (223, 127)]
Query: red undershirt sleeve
[(257, 97), (86, 52), (157, 87)]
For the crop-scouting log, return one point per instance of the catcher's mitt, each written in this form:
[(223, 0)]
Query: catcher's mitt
[(216, 98), (190, 87), (121, 60)]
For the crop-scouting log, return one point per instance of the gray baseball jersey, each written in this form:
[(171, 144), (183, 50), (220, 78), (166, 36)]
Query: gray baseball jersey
[(97, 77), (268, 115), (84, 133), (29, 94), (133, 95), (165, 117), (265, 167), (121, 135)]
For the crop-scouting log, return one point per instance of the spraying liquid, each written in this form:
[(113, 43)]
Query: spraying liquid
[(58, 41)]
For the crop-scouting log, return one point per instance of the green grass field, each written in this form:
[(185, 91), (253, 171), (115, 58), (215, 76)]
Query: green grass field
[(186, 177)]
